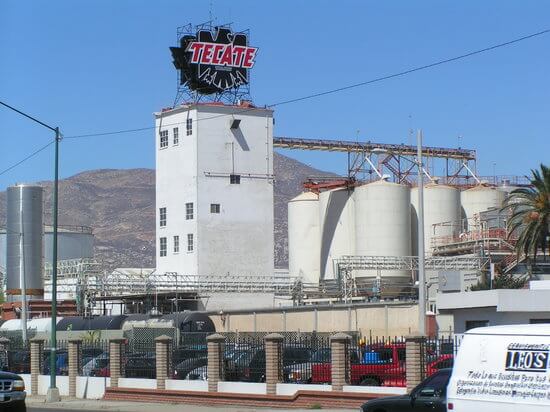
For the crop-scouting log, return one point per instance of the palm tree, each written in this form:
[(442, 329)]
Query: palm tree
[(530, 214)]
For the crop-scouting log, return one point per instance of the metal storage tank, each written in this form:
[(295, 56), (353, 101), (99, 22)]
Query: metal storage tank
[(91, 323), (304, 242), (190, 321), (337, 228), (383, 219), (73, 242), (24, 206), (479, 199), (441, 204), (39, 325)]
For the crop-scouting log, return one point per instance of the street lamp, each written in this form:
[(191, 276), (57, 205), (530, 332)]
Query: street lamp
[(53, 391)]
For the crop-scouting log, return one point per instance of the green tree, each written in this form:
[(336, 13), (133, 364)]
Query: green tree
[(501, 281), (530, 214)]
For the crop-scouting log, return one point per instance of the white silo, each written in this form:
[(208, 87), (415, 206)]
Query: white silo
[(479, 199), (304, 240), (441, 205), (383, 224), (337, 228)]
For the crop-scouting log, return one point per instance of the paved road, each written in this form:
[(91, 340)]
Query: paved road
[(102, 406)]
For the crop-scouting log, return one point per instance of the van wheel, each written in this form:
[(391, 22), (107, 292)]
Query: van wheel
[(370, 382)]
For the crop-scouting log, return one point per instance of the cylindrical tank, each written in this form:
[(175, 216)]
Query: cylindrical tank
[(441, 205), (24, 220), (479, 199), (337, 228), (304, 242), (73, 242), (383, 219)]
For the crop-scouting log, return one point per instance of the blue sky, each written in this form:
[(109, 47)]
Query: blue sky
[(94, 66)]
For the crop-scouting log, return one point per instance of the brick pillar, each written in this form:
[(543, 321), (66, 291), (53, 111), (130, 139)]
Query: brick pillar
[(163, 353), (340, 366), (115, 359), (273, 362), (415, 362), (215, 345), (75, 348), (37, 349)]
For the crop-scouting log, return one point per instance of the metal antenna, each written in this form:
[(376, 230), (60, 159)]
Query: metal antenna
[(210, 12)]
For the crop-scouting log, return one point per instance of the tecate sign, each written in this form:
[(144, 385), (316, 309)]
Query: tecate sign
[(213, 62)]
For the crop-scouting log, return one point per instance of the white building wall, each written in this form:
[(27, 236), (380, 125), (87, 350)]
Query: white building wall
[(238, 240), (176, 185)]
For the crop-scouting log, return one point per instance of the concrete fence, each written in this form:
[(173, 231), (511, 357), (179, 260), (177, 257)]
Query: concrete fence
[(340, 367)]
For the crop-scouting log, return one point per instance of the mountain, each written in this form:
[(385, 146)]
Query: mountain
[(120, 206)]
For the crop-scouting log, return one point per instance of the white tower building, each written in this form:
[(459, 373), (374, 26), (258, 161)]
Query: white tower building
[(214, 190)]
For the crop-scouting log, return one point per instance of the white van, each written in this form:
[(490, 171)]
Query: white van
[(502, 369)]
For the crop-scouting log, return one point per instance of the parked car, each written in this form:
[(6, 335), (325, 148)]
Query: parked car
[(198, 374), (91, 353), (141, 365), (441, 362), (61, 363), (103, 372), (250, 366), (183, 368), (379, 362), (91, 367), (12, 392), (19, 361), (231, 356), (302, 372), (380, 365), (430, 395)]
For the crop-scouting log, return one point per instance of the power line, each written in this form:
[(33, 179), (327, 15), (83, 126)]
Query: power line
[(289, 101), (27, 158), (336, 90), (28, 116), (414, 69)]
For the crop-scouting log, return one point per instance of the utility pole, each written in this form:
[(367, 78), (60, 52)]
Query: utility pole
[(53, 391), (421, 255)]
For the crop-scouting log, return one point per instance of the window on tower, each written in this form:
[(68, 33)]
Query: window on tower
[(176, 136), (214, 208), (189, 211), (162, 216), (163, 139), (176, 244), (235, 179), (190, 245), (189, 126), (163, 246)]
